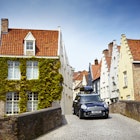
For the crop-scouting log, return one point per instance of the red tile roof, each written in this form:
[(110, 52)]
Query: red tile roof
[(12, 43), (79, 75), (134, 46), (96, 69)]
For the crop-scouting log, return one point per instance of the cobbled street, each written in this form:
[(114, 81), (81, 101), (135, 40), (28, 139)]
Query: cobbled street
[(116, 127)]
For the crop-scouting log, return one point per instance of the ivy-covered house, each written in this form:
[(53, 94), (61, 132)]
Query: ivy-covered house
[(31, 64)]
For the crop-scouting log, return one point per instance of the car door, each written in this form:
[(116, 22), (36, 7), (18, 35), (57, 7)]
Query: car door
[(76, 104)]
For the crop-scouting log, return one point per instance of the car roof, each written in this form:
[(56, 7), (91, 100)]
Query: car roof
[(93, 94)]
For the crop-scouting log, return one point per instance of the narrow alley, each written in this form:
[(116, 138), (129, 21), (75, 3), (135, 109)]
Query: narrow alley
[(116, 127)]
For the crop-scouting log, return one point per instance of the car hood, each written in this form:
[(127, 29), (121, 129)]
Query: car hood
[(94, 104)]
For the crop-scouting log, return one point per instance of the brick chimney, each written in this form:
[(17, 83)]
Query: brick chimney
[(4, 25), (96, 61)]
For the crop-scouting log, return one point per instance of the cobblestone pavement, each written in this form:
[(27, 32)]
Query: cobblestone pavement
[(116, 127)]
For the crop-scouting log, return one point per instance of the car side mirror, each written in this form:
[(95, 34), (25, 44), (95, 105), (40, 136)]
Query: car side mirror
[(75, 101)]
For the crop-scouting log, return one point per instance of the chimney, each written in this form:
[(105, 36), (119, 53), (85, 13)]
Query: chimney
[(4, 25), (110, 46), (96, 61), (105, 52)]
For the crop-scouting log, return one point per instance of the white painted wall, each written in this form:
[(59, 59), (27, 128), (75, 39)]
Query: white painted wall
[(113, 78), (104, 81), (67, 71)]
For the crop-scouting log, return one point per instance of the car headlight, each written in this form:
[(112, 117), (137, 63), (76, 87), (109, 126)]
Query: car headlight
[(83, 107), (105, 105)]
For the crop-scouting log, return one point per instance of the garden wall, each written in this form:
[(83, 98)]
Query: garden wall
[(28, 126)]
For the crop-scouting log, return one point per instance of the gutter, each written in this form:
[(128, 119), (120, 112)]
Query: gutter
[(136, 62), (48, 57)]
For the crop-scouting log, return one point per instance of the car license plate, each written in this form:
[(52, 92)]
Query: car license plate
[(95, 112)]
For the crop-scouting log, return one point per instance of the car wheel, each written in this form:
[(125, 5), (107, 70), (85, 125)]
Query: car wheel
[(80, 115), (106, 116)]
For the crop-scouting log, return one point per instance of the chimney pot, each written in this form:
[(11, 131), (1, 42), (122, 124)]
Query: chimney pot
[(96, 61)]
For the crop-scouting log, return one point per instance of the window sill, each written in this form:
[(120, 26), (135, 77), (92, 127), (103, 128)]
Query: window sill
[(124, 87)]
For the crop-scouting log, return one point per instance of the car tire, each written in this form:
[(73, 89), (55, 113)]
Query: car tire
[(106, 116), (80, 115)]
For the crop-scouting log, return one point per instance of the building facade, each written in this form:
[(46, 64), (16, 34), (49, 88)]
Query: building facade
[(129, 66), (113, 76), (105, 74), (80, 79), (32, 63), (94, 76)]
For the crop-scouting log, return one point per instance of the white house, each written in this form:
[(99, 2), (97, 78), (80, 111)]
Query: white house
[(105, 71), (67, 71), (113, 77), (79, 80)]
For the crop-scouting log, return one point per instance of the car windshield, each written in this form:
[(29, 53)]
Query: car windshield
[(90, 98)]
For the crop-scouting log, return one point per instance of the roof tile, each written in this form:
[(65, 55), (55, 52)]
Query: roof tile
[(134, 46), (12, 43)]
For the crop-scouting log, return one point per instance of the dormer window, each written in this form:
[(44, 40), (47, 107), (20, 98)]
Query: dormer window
[(29, 45)]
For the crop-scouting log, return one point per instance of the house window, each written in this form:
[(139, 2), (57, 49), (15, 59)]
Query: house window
[(32, 70), (29, 45), (125, 79), (128, 97), (32, 101), (12, 99), (13, 70)]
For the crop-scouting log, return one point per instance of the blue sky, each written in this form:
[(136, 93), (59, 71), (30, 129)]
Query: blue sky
[(88, 26)]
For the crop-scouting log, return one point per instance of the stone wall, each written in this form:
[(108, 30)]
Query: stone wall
[(130, 109), (2, 108), (28, 126), (136, 75)]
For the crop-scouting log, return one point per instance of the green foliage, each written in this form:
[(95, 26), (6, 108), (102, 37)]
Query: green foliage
[(48, 86)]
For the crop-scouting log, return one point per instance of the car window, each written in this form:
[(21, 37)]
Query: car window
[(78, 98), (90, 98)]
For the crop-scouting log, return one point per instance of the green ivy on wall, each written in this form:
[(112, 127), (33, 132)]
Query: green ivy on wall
[(48, 86)]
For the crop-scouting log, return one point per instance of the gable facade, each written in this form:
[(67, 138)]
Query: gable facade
[(79, 80), (105, 73), (113, 76), (94, 76), (24, 52), (129, 66)]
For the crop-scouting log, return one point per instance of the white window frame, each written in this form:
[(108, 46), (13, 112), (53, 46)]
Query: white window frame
[(31, 66), (29, 38), (12, 101), (128, 97), (14, 70), (32, 103), (29, 45)]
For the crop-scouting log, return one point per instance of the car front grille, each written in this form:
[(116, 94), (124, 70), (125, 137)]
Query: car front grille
[(95, 108)]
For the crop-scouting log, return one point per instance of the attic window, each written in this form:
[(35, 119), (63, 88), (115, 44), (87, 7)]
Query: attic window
[(29, 45)]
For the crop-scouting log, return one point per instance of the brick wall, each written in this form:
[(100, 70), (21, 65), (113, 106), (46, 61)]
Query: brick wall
[(136, 75), (130, 109), (28, 126)]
